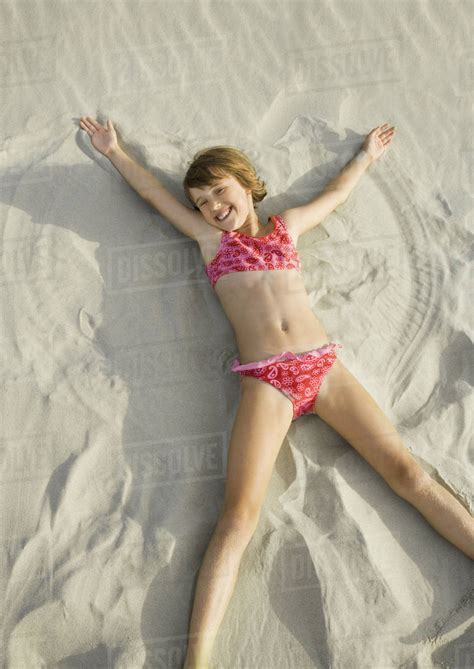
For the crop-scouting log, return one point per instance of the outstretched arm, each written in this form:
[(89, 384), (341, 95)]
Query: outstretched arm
[(104, 139), (307, 216), (373, 148)]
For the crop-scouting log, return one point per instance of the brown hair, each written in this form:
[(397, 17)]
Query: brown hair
[(210, 165)]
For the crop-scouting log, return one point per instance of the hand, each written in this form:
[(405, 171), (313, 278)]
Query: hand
[(378, 140), (103, 138)]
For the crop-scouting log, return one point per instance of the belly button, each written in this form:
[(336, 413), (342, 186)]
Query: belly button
[(284, 326)]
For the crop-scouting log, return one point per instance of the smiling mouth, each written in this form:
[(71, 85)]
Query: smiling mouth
[(224, 217)]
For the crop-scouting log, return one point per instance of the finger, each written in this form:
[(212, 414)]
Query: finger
[(94, 123), (87, 127), (88, 124)]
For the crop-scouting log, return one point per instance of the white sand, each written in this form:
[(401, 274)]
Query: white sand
[(117, 401)]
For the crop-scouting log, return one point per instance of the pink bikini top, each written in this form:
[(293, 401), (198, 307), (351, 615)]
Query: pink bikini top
[(242, 253)]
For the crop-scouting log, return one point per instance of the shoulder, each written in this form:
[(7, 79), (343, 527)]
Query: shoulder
[(202, 231), (194, 225), (207, 237), (290, 219)]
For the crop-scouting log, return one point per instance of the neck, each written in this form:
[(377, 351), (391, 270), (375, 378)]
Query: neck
[(252, 226)]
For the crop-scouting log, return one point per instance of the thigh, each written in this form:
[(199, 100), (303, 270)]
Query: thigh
[(261, 423), (345, 405)]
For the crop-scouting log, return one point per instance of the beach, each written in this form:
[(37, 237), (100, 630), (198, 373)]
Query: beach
[(117, 398)]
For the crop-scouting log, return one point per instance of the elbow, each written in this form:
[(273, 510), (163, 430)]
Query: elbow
[(343, 195)]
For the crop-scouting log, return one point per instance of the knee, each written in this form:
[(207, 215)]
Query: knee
[(408, 477), (238, 519)]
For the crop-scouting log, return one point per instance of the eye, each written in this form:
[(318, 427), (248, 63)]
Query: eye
[(221, 188)]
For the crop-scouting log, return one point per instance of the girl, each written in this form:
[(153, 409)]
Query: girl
[(287, 366)]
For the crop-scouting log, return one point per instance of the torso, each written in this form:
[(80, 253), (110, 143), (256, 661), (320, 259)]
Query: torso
[(268, 310)]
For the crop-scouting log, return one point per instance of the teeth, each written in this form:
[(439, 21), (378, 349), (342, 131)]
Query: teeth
[(221, 218)]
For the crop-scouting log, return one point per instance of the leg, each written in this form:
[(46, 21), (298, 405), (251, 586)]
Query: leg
[(345, 405), (262, 420)]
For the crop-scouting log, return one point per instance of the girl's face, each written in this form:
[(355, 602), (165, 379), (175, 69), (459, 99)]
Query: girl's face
[(227, 195)]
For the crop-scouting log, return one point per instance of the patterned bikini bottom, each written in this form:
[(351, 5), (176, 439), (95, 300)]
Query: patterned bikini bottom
[(297, 375)]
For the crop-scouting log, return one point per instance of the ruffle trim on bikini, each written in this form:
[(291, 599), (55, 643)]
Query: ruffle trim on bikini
[(317, 352)]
